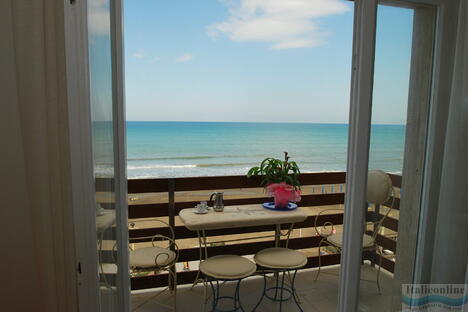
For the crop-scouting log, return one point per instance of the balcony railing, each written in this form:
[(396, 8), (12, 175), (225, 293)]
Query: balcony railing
[(314, 185)]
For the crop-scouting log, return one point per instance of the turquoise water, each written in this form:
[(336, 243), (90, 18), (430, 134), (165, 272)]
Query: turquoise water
[(182, 149)]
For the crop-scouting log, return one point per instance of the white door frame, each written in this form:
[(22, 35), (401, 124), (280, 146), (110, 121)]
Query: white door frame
[(120, 153), (362, 80), (79, 112), (76, 30), (358, 142)]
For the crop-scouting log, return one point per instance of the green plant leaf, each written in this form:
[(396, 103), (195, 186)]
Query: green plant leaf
[(275, 171)]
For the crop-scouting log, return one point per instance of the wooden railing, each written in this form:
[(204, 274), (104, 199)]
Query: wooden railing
[(171, 208)]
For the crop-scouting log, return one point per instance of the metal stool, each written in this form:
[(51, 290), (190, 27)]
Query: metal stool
[(226, 268), (280, 260)]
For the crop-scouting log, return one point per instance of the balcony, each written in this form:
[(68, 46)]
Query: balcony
[(151, 199)]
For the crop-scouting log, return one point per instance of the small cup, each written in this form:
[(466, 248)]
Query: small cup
[(201, 208)]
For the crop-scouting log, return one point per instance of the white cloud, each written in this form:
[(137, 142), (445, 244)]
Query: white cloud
[(155, 59), (98, 18), (184, 58), (139, 55), (286, 24)]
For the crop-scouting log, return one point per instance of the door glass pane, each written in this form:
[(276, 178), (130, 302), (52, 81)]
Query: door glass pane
[(100, 72), (400, 109)]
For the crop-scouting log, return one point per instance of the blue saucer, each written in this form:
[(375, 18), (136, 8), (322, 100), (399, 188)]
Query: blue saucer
[(271, 205)]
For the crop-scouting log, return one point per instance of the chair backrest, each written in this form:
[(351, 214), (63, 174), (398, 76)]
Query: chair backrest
[(170, 237), (379, 191), (379, 187)]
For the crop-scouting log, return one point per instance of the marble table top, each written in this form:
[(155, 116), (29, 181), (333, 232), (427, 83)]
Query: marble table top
[(239, 216)]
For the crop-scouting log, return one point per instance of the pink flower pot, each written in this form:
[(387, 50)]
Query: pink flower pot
[(283, 194)]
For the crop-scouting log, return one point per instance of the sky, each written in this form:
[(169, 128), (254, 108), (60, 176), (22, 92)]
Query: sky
[(257, 61)]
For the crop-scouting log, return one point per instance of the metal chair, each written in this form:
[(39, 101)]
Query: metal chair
[(157, 258), (221, 268), (379, 191), (226, 268), (279, 260)]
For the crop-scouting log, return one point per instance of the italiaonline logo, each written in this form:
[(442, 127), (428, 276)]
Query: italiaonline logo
[(434, 297)]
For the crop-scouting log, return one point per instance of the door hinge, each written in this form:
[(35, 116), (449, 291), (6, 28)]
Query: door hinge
[(78, 268)]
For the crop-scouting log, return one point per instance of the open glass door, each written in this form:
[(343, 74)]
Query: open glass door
[(108, 143), (390, 108), (399, 118)]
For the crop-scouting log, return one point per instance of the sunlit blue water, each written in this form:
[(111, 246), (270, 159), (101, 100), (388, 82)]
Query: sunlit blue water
[(181, 149)]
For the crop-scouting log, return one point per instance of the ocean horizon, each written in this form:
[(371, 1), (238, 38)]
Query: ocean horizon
[(160, 149)]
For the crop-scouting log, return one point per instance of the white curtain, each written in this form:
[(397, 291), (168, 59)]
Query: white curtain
[(37, 271), (451, 247)]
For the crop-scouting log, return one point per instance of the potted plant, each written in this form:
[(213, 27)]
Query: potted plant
[(280, 179)]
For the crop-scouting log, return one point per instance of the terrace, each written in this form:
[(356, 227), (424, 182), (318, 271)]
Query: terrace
[(151, 199)]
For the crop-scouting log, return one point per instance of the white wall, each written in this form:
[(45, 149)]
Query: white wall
[(37, 249)]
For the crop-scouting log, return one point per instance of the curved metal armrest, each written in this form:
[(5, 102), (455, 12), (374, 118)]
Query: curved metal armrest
[(172, 246), (171, 241), (325, 224), (171, 230), (154, 238)]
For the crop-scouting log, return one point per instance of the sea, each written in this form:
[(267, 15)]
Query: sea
[(190, 149)]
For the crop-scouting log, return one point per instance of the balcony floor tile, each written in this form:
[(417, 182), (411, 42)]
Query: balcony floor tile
[(315, 296)]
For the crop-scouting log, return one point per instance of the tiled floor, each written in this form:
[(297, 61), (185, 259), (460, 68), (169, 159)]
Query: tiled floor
[(314, 296)]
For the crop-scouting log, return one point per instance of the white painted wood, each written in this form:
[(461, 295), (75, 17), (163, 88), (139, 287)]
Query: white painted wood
[(419, 99), (79, 115), (365, 14), (239, 216), (120, 154), (444, 55), (86, 225), (411, 4)]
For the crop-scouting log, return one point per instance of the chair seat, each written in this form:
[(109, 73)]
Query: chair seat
[(337, 240), (227, 267), (280, 258), (325, 233), (151, 257)]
